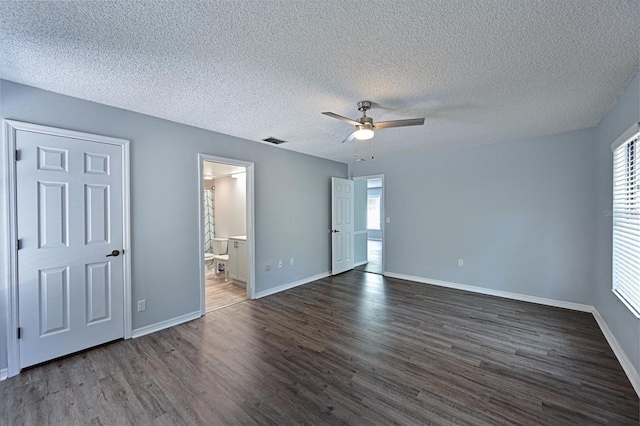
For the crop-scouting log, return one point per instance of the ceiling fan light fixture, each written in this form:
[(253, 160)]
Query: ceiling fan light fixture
[(364, 133)]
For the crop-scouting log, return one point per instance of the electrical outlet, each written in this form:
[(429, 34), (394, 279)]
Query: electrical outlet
[(292, 261), (267, 267), (280, 264), (460, 262), (388, 220), (142, 305)]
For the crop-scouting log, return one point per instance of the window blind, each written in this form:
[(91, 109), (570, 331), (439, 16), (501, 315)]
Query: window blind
[(626, 219)]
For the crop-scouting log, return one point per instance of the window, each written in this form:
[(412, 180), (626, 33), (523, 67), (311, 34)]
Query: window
[(626, 218), (373, 212)]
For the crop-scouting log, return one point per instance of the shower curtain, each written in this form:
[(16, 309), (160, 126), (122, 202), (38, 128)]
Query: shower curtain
[(209, 224)]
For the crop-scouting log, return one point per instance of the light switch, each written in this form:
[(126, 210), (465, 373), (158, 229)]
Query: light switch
[(388, 219)]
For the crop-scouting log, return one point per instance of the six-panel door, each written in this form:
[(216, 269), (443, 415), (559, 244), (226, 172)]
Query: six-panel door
[(70, 217), (342, 225)]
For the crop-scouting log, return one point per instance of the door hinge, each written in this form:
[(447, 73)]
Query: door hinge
[(16, 155), (19, 244), (19, 332)]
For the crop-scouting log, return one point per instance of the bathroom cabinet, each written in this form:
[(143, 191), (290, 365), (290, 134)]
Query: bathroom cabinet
[(238, 259)]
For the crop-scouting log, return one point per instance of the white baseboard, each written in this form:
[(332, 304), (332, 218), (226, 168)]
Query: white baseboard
[(287, 286), (3, 374), (364, 262), (139, 332), (624, 360), (498, 293)]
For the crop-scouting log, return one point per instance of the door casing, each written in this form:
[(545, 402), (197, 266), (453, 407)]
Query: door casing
[(10, 127)]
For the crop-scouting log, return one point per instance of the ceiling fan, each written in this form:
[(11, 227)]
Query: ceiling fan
[(365, 125)]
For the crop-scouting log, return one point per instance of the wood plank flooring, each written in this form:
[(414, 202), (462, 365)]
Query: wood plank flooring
[(219, 293), (356, 349), (374, 257)]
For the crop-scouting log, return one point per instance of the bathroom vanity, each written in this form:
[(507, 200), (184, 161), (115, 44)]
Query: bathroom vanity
[(238, 264)]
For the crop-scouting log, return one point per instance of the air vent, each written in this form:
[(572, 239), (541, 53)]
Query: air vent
[(273, 140)]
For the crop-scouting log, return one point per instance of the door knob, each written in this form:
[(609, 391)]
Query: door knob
[(335, 230), (114, 253)]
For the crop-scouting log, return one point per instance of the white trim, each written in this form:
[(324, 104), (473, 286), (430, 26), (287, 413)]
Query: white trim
[(251, 233), (148, 329), (200, 222), (126, 243), (11, 262), (360, 232), (9, 129), (498, 293), (3, 374), (364, 262), (288, 286), (628, 134), (631, 308), (624, 360), (251, 292)]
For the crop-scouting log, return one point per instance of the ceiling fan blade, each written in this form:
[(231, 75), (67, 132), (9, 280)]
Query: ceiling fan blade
[(351, 137), (339, 117), (399, 123)]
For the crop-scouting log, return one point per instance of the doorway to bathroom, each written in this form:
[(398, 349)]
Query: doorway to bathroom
[(369, 223), (226, 237)]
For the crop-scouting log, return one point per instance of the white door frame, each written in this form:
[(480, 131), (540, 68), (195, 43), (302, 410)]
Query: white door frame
[(251, 291), (10, 127), (383, 218)]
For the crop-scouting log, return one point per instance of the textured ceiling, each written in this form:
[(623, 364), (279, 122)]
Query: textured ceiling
[(480, 71)]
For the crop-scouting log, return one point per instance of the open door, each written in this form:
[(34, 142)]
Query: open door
[(341, 225)]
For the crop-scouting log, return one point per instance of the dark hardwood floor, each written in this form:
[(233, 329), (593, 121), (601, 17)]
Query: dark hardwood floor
[(357, 349)]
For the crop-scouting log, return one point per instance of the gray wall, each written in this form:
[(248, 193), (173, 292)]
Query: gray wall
[(624, 325), (292, 199), (519, 213), (360, 220)]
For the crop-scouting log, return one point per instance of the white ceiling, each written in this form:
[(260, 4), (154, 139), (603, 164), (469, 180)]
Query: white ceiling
[(213, 170), (480, 71)]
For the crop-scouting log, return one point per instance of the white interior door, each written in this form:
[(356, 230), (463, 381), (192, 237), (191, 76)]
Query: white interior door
[(70, 224), (341, 225)]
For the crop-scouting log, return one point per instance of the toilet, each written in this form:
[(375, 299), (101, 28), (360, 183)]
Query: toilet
[(219, 255), (219, 245)]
